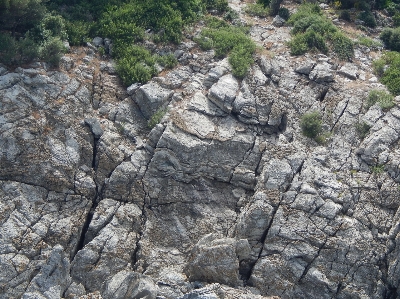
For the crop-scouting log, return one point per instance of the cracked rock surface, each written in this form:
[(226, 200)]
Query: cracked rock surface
[(224, 198)]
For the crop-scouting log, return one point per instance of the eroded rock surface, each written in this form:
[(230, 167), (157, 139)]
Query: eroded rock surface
[(224, 198)]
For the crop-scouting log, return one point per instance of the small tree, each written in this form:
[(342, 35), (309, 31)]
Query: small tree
[(274, 6)]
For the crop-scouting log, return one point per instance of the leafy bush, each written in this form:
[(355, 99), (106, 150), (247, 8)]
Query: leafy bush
[(388, 69), (284, 13), (78, 32), (384, 99), (391, 38), (257, 10), (227, 39), (231, 15), (345, 15), (310, 31), (52, 51), (311, 124), (368, 18), (396, 19), (8, 48), (219, 5), (264, 3), (342, 46), (168, 61), (362, 129), (274, 6)]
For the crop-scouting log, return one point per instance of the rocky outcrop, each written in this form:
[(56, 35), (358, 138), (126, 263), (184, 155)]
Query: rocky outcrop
[(224, 198)]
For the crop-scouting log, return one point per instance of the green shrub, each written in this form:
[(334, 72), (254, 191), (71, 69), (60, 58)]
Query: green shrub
[(227, 39), (362, 129), (168, 61), (368, 18), (384, 99), (28, 50), (52, 51), (388, 69), (78, 32), (396, 19), (310, 31), (257, 10), (8, 48), (311, 124), (298, 45), (231, 15), (284, 13), (156, 118), (219, 5), (342, 46), (391, 38), (274, 6), (304, 11), (345, 15), (264, 3)]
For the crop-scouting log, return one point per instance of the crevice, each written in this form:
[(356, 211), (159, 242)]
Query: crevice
[(341, 114), (246, 273), (95, 142), (323, 93)]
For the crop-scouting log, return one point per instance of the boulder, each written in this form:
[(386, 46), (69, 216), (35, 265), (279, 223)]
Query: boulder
[(224, 92)]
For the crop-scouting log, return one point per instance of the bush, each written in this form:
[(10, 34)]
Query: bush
[(388, 69), (78, 32), (311, 124), (368, 18), (345, 15), (8, 48), (168, 61), (257, 10), (264, 3), (274, 6), (52, 51), (391, 38), (219, 5), (384, 99), (284, 13), (227, 39), (342, 46), (311, 29), (396, 19)]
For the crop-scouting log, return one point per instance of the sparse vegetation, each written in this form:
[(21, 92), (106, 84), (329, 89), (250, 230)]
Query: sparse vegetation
[(369, 42), (256, 9), (362, 129), (378, 169), (384, 99), (156, 118), (368, 18)]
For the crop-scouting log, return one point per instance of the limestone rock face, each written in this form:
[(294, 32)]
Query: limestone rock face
[(224, 198)]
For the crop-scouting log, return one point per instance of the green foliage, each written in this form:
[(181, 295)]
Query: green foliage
[(369, 42), (227, 39), (391, 38), (362, 129), (264, 3), (345, 15), (396, 19), (168, 61), (368, 18), (311, 30), (78, 32), (219, 5), (52, 51), (156, 118), (384, 99), (304, 11), (231, 15), (342, 46), (284, 13), (388, 69), (258, 10), (378, 169), (311, 124)]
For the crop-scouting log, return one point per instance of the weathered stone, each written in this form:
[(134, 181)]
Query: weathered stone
[(223, 93), (322, 73)]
